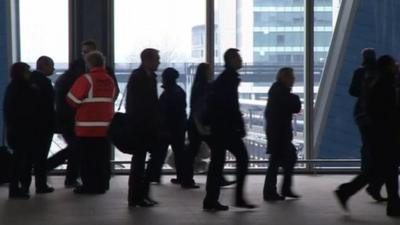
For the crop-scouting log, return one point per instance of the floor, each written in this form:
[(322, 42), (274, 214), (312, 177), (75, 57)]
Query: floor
[(178, 206)]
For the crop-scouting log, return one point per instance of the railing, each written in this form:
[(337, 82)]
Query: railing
[(312, 168)]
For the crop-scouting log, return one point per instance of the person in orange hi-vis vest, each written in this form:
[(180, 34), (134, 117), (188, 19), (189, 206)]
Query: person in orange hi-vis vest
[(92, 95)]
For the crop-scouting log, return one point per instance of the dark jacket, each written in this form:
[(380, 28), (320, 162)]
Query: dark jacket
[(381, 105), (362, 82), (142, 104), (198, 98), (45, 102), (20, 112), (173, 109), (279, 111), (65, 114), (224, 109)]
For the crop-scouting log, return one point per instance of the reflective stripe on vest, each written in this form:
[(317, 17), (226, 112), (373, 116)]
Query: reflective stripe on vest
[(86, 100), (92, 124), (90, 98), (73, 98), (89, 78)]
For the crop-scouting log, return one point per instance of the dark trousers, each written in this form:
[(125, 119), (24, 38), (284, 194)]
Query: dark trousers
[(37, 157), (71, 153), (95, 168), (218, 146), (375, 182), (285, 158), (177, 143), (191, 152), (383, 163), (140, 176), (21, 168)]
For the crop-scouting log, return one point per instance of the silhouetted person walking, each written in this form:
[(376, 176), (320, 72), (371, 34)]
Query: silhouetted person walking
[(227, 131), (173, 114), (382, 112), (363, 76), (19, 115), (93, 97), (198, 132), (143, 110), (281, 106)]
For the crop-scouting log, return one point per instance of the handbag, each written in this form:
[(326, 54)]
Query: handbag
[(119, 132)]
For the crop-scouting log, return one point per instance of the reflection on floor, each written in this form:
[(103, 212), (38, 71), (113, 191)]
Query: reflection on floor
[(179, 206)]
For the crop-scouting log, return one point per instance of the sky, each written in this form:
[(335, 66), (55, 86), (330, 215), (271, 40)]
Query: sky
[(44, 29), (163, 24)]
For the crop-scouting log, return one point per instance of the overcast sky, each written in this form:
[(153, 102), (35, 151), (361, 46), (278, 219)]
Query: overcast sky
[(163, 24)]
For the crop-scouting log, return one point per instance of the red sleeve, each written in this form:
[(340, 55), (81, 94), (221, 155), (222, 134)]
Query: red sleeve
[(78, 92)]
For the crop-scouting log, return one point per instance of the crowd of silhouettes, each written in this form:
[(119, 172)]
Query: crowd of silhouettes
[(375, 85), (80, 107)]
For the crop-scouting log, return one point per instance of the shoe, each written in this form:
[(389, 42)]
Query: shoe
[(18, 195), (225, 183), (44, 190), (151, 201), (274, 197), (190, 186), (144, 203), (72, 184), (393, 208), (244, 204), (290, 194), (175, 181), (375, 195), (215, 207), (342, 199), (81, 190)]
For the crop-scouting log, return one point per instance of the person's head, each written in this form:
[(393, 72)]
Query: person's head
[(45, 65), (387, 65), (169, 76), (94, 59), (88, 46), (150, 59), (203, 73), (286, 76), (233, 59), (20, 71), (369, 56)]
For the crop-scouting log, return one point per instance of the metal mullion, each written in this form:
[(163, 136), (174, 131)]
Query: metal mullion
[(210, 34), (309, 78)]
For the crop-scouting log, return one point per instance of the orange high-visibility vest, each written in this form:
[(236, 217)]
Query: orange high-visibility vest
[(93, 97)]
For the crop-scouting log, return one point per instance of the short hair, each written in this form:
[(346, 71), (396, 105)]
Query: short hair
[(369, 56), (95, 59), (170, 74), (283, 73), (44, 60), (90, 43), (384, 62), (18, 69), (230, 54), (148, 54)]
